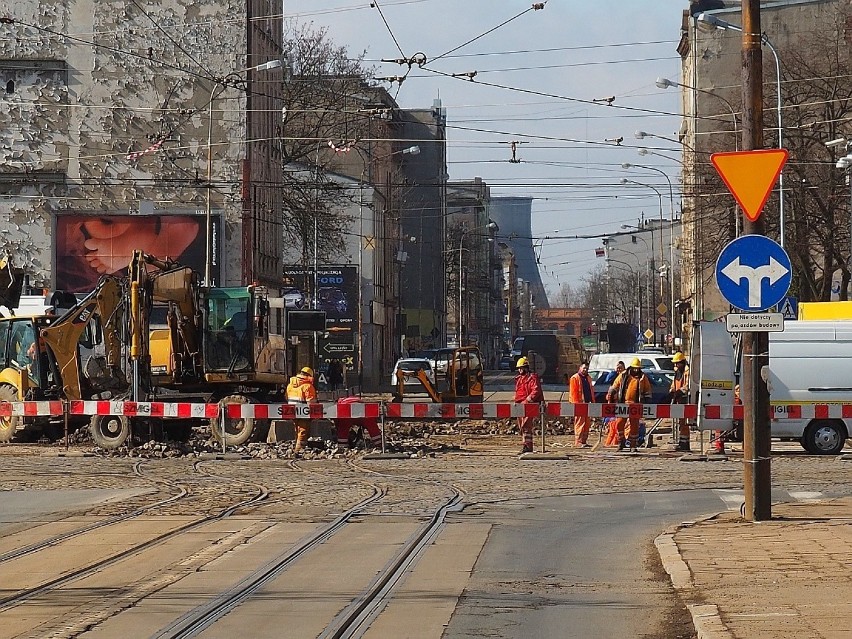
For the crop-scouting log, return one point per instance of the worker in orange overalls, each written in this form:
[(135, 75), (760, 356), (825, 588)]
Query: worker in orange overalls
[(679, 391), (527, 391), (631, 387), (301, 390), (612, 435), (580, 392)]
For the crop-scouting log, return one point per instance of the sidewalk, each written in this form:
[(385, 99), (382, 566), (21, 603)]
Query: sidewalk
[(787, 578)]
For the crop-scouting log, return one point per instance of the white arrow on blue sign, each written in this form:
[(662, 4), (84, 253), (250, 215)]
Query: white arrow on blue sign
[(753, 273)]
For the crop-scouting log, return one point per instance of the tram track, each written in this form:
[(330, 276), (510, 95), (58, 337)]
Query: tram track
[(21, 596), (70, 534)]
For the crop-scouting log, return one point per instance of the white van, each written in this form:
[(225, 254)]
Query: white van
[(607, 361), (808, 364)]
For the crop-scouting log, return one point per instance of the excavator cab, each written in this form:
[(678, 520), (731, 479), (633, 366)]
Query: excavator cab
[(462, 378), (229, 339)]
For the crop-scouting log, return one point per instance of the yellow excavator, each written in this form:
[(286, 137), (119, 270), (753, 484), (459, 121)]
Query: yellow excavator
[(189, 342), (154, 335), (458, 378), (73, 355)]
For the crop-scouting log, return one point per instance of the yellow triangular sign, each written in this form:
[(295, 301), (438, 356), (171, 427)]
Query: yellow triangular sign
[(750, 176)]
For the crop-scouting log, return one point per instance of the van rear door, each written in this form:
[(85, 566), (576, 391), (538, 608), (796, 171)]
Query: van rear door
[(712, 378)]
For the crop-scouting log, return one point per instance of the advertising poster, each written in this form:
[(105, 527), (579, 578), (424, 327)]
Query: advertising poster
[(88, 246), (337, 295)]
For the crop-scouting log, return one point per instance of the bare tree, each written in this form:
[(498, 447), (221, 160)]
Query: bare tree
[(566, 297), (817, 98), (817, 101), (322, 120)]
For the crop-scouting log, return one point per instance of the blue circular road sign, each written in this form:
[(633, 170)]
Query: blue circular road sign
[(753, 273)]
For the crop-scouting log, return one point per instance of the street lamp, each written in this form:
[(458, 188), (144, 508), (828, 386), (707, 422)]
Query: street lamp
[(227, 81), (662, 222), (491, 226), (641, 135), (643, 151), (709, 22), (665, 83), (627, 165), (845, 163), (363, 242)]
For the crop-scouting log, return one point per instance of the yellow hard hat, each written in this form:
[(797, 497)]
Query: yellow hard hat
[(522, 361), (636, 363), (678, 357), (307, 371)]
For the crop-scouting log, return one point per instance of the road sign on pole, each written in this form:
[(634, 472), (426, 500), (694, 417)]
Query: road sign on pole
[(753, 273), (750, 176)]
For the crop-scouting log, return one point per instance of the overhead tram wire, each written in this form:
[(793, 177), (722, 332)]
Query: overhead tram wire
[(534, 7), (375, 3), (563, 97)]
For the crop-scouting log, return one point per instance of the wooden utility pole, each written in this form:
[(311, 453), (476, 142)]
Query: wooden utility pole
[(757, 480)]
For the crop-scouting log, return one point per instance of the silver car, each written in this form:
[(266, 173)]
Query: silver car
[(412, 364)]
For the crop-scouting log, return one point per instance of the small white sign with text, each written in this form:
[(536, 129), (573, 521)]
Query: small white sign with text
[(759, 322)]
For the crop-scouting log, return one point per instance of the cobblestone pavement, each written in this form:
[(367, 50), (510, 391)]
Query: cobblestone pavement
[(784, 578)]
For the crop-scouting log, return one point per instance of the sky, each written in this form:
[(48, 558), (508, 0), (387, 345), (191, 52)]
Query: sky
[(545, 79)]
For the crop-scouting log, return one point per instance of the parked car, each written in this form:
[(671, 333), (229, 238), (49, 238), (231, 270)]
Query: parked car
[(294, 298), (332, 300), (505, 363), (412, 364), (655, 361), (661, 381)]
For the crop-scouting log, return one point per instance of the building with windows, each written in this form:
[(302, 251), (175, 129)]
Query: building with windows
[(146, 134)]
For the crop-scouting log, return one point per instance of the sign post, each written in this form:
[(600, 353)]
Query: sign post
[(757, 478)]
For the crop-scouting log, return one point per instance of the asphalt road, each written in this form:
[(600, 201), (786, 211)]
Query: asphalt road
[(574, 566)]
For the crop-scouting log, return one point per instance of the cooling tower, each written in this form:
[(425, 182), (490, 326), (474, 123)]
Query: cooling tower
[(514, 217)]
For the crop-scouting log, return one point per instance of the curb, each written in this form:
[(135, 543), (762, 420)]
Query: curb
[(705, 617)]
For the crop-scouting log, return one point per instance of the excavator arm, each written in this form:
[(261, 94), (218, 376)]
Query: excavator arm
[(419, 375), (173, 284), (63, 335)]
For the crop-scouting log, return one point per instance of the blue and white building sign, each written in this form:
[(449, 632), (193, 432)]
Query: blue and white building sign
[(753, 273)]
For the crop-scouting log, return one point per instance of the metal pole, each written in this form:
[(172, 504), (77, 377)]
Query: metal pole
[(765, 40), (361, 283), (757, 480), (459, 314), (208, 218)]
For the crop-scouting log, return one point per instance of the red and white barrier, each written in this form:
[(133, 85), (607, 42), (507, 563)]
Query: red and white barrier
[(145, 409), (373, 410), (30, 409), (304, 411), (642, 411)]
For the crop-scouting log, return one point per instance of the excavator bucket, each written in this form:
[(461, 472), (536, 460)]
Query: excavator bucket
[(11, 283)]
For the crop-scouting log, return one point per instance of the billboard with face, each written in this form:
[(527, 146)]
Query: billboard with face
[(88, 246), (337, 295)]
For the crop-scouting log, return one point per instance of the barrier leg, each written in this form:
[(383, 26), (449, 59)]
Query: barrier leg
[(382, 425), (541, 408), (66, 409), (222, 426)]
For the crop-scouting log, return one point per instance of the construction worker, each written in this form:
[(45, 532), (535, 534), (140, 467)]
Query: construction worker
[(527, 391), (679, 391), (580, 392), (301, 391), (612, 436), (631, 387)]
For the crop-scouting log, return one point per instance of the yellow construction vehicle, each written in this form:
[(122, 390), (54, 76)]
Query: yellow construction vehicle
[(459, 381), (155, 335), (75, 355), (212, 344)]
